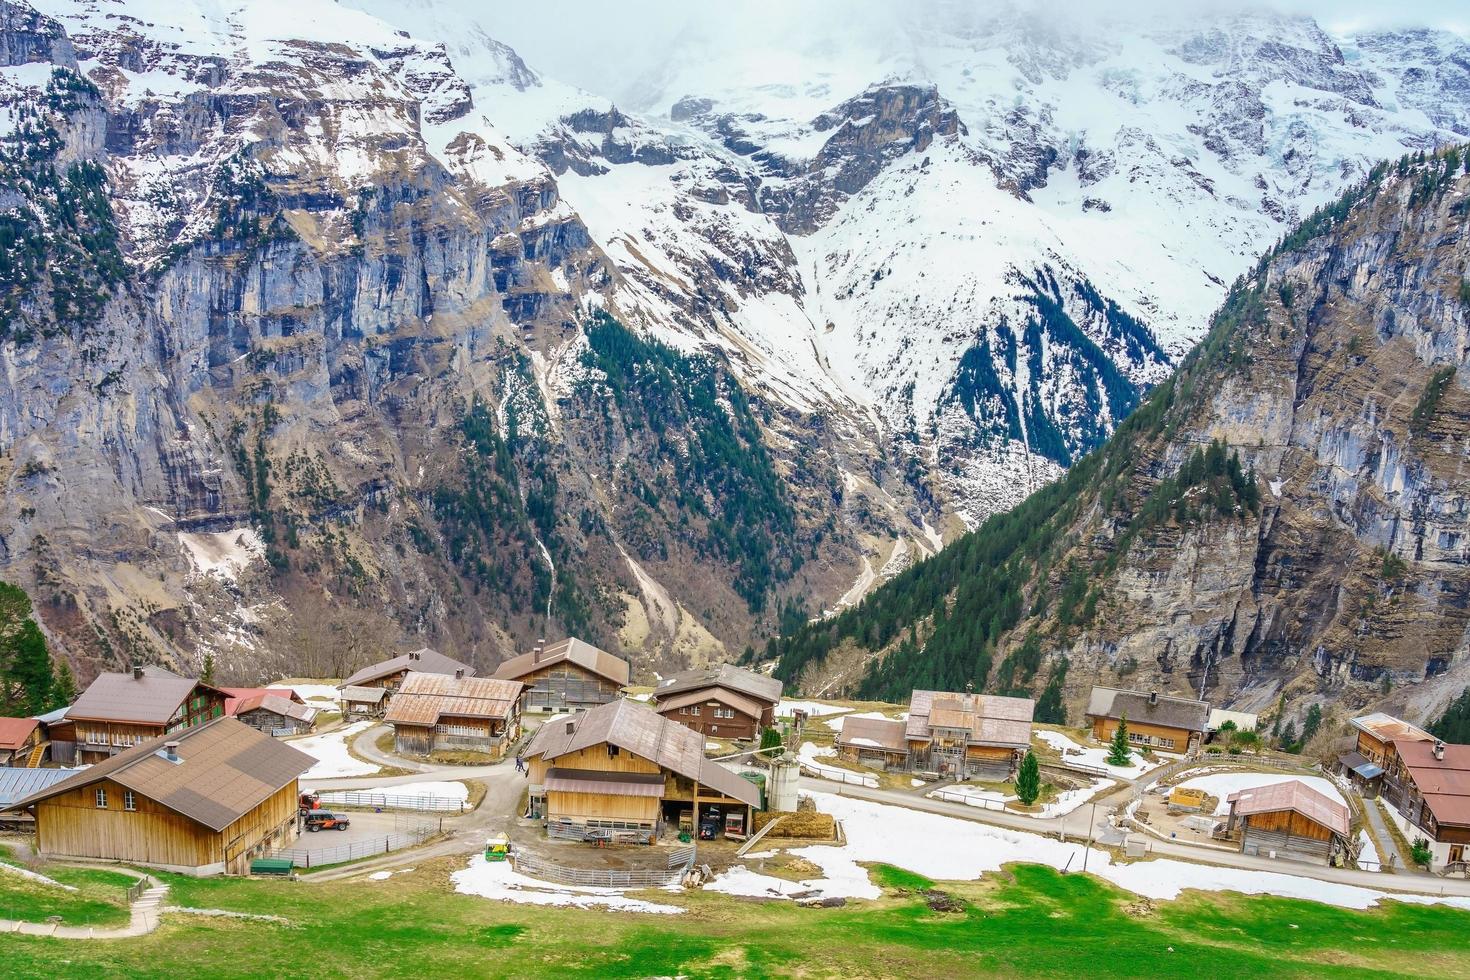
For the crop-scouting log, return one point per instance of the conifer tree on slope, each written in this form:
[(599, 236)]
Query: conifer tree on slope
[(1121, 753), (1028, 780)]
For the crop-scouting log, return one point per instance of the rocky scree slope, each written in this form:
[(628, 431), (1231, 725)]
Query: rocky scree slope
[(289, 325), (1287, 515)]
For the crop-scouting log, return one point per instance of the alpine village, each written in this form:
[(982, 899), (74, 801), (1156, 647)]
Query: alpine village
[(834, 489)]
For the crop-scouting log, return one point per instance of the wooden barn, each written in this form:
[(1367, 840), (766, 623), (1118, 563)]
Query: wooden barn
[(435, 712), (362, 702), (21, 742), (878, 742), (622, 770), (275, 715), (1289, 820), (389, 674), (203, 801), (1154, 720), (969, 736), (723, 702), (566, 676), (118, 711)]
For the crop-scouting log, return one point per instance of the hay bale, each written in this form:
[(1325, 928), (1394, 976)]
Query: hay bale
[(804, 824)]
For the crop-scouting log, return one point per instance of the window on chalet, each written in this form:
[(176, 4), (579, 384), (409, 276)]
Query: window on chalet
[(612, 751), (101, 798), (130, 802), (724, 712)]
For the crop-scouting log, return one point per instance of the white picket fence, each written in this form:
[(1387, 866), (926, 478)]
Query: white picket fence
[(839, 775), (950, 796)]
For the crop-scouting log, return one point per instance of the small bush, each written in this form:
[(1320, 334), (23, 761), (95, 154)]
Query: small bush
[(1420, 853)]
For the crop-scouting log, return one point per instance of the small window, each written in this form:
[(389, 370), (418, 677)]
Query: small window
[(612, 751), (130, 802), (101, 799)]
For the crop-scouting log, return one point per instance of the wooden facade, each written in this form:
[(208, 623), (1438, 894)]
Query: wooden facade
[(563, 684), (19, 752), (99, 739), (470, 734), (1143, 734), (122, 825), (716, 719)]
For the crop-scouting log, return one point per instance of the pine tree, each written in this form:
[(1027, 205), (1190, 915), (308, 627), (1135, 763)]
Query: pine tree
[(1121, 753), (1028, 780), (64, 686), (206, 675), (1313, 722), (770, 738), (30, 669)]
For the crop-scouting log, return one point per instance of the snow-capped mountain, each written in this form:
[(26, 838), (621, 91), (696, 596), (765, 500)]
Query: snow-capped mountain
[(320, 291)]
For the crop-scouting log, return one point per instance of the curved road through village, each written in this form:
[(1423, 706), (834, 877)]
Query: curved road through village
[(504, 786)]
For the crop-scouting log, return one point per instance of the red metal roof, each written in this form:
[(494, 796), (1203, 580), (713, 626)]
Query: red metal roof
[(1444, 783), (15, 731), (1293, 794)]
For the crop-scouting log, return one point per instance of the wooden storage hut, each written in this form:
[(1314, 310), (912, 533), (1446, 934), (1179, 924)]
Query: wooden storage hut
[(621, 769), (203, 801), (877, 742), (974, 736), (1289, 820), (363, 702), (118, 711), (389, 674), (1154, 720), (722, 702), (20, 740), (435, 712), (275, 715), (566, 676), (60, 735)]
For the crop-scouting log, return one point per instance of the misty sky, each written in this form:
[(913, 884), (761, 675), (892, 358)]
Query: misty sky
[(596, 44)]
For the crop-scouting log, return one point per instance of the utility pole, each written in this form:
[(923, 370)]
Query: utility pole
[(1087, 848)]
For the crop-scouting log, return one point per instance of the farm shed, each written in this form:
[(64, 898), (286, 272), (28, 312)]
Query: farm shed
[(878, 742), (118, 711), (1154, 720), (566, 676), (204, 801), (60, 734), (621, 767), (389, 674), (434, 712), (978, 736), (362, 702), (724, 701), (275, 715), (1289, 820), (19, 740)]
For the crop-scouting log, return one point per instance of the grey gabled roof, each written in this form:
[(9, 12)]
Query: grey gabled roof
[(369, 695), (731, 678), (1165, 710), (638, 729), (572, 650), (150, 700), (424, 660), (226, 770)]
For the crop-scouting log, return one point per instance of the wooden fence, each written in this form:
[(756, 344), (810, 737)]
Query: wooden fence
[(839, 775), (950, 796), (384, 801)]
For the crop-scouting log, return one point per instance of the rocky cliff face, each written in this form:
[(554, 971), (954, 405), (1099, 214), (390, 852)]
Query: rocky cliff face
[(1285, 516)]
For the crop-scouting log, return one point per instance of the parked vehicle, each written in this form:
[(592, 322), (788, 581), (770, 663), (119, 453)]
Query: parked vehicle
[(308, 802), (326, 820)]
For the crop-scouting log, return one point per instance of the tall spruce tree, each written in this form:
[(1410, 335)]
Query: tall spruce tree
[(1028, 779), (206, 675), (64, 686), (30, 670), (1121, 753)]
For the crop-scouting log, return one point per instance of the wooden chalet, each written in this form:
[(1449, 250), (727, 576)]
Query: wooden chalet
[(722, 702), (21, 742), (1155, 721), (275, 715), (363, 702), (566, 676), (968, 736), (205, 800), (389, 674), (1289, 820), (118, 711), (1373, 751), (435, 712), (622, 770), (878, 742), (1428, 784)]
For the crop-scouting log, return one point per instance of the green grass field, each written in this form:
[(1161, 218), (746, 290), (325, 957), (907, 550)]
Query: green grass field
[(100, 898), (1028, 922)]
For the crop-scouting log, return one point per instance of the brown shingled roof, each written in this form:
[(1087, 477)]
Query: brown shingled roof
[(151, 699), (882, 733), (423, 698), (424, 660), (15, 731), (226, 769), (581, 653), (1293, 794), (755, 686), (636, 728), (1142, 706), (991, 719), (1444, 783)]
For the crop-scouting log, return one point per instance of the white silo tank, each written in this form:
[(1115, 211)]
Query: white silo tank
[(785, 773)]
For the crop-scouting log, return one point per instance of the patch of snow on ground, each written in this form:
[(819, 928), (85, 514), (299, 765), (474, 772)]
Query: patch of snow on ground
[(35, 876), (813, 710), (223, 554), (1072, 752), (1368, 855), (950, 848), (315, 695), (330, 751), (841, 877), (836, 723), (498, 880), (809, 754), (916, 783), (1222, 784), (441, 790)]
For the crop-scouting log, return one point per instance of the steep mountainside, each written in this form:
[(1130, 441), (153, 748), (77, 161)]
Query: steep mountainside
[(1288, 514)]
